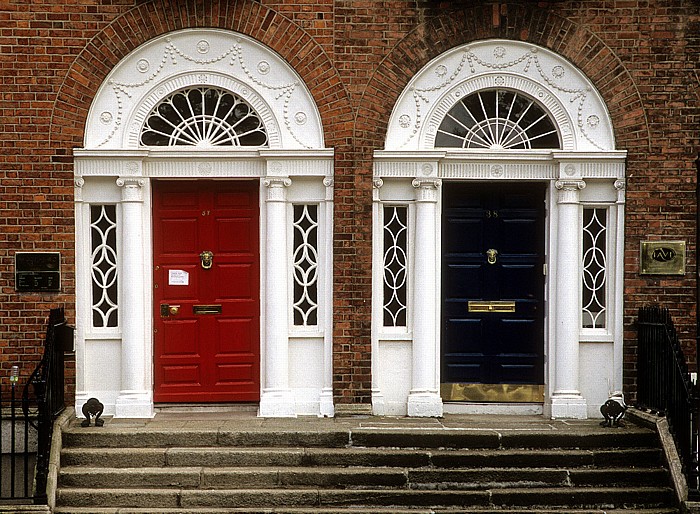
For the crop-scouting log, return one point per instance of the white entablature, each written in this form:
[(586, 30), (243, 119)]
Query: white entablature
[(203, 57), (571, 99)]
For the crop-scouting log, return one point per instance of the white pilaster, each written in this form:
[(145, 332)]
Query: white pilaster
[(135, 399), (326, 405), (618, 326), (424, 399), (566, 400), (277, 400), (378, 401), (82, 288)]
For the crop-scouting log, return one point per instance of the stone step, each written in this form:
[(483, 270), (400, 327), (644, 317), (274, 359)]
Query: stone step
[(275, 498), (351, 510), (339, 478), (358, 437), (389, 457), (233, 478)]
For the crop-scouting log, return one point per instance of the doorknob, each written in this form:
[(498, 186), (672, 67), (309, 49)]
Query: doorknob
[(168, 310), (491, 255)]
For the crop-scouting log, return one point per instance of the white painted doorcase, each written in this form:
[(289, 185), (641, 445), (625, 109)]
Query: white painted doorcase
[(488, 113), (209, 107)]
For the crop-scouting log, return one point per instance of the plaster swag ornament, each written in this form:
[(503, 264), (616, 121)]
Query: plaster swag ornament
[(556, 86), (219, 59)]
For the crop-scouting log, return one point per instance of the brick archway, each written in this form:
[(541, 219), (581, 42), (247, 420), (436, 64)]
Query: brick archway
[(146, 21), (441, 33)]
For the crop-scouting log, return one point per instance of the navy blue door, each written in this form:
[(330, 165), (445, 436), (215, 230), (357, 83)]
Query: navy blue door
[(493, 283)]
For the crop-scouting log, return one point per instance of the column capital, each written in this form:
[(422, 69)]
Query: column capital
[(569, 190), (132, 188), (621, 187), (276, 188), (329, 184), (78, 184), (377, 183), (427, 189)]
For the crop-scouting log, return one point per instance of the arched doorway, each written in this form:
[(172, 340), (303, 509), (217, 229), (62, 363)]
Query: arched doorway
[(202, 179), (501, 163)]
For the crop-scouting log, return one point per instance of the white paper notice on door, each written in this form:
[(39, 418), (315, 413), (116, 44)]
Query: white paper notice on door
[(178, 277)]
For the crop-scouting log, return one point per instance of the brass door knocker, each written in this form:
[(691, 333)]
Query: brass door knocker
[(207, 259), (491, 255)]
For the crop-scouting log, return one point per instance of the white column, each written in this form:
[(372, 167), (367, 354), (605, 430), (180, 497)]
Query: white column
[(277, 399), (326, 405), (424, 399), (135, 398), (567, 401)]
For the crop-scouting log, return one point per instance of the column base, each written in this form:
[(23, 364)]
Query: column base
[(134, 404), (326, 406), (277, 404), (424, 405), (568, 406), (378, 403)]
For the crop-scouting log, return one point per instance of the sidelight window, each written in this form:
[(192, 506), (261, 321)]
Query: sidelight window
[(395, 265), (594, 267), (305, 265), (103, 261)]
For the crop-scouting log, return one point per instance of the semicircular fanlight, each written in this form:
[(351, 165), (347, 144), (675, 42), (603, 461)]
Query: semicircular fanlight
[(497, 119), (203, 117)]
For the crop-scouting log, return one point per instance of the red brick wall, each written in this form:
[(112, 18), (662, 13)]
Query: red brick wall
[(355, 56)]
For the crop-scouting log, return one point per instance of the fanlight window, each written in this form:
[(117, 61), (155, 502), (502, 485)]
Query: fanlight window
[(203, 117), (497, 119)]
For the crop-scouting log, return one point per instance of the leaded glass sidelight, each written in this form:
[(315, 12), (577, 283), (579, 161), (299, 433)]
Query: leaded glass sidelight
[(395, 265), (305, 265), (497, 119), (103, 261), (204, 117), (594, 267)]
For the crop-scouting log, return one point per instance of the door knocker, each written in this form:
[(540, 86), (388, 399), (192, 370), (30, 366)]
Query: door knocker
[(491, 255), (207, 259)]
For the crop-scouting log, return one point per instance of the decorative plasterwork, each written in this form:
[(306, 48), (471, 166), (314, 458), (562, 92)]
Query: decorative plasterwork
[(571, 99), (209, 57)]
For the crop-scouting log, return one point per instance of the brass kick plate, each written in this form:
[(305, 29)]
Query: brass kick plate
[(501, 393), (206, 309), (492, 306)]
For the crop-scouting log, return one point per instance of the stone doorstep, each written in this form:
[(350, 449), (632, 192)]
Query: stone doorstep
[(460, 479), (351, 510), (311, 457), (190, 499)]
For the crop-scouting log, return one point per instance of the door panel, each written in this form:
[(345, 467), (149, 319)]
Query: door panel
[(497, 347), (208, 348)]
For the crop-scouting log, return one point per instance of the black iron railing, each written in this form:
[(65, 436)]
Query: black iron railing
[(18, 444), (664, 386), (28, 422)]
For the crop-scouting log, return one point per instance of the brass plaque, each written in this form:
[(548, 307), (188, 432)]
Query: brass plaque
[(662, 258), (207, 309), (491, 306), (497, 393)]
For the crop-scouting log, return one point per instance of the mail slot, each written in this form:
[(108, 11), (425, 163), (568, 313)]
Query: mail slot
[(207, 309), (492, 306)]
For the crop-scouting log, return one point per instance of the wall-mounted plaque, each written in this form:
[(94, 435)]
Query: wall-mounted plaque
[(662, 258), (37, 271)]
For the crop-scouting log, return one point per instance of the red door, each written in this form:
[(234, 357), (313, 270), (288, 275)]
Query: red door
[(207, 311)]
